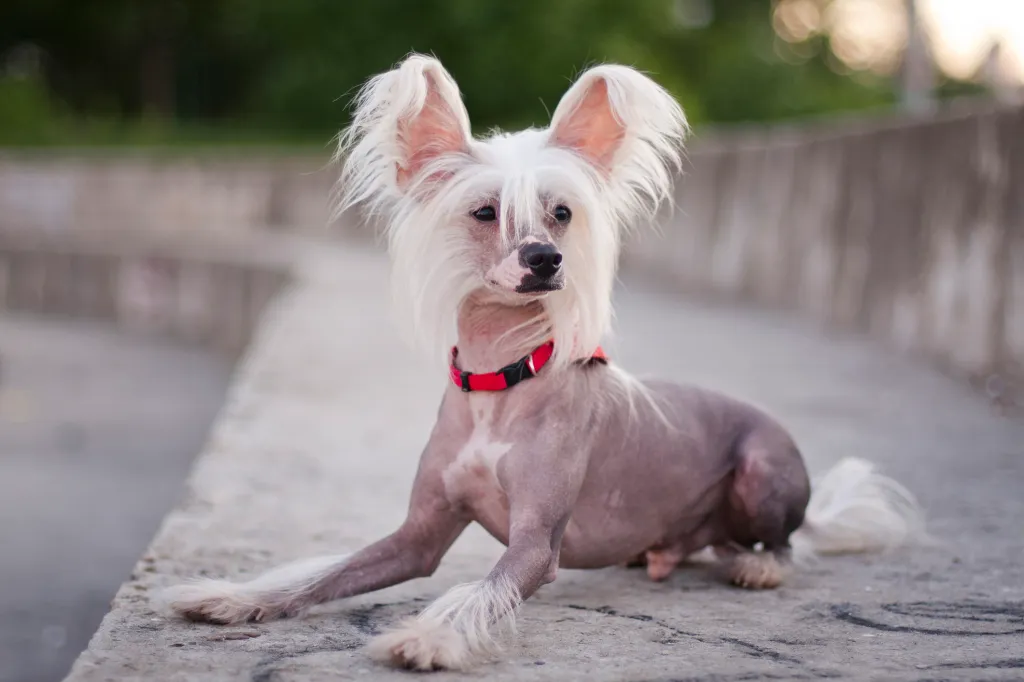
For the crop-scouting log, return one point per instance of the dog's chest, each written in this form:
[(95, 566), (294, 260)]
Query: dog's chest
[(471, 480)]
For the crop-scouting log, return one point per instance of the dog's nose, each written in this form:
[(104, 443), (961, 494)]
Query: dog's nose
[(542, 259)]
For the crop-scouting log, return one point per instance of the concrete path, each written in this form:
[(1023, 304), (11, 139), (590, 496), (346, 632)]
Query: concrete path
[(317, 447), (97, 431)]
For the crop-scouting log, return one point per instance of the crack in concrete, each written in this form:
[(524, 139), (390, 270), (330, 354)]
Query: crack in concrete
[(1009, 613), (744, 647)]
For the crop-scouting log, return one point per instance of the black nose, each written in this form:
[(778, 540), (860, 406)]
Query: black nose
[(542, 259)]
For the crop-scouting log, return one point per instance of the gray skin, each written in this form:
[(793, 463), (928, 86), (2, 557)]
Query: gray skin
[(584, 484)]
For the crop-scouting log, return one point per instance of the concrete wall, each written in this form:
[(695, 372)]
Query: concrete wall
[(911, 231), (83, 192), (211, 295)]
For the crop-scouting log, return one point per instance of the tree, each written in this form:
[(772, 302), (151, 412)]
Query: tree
[(290, 66)]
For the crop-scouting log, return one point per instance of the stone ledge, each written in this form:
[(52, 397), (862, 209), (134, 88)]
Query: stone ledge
[(316, 447), (210, 291)]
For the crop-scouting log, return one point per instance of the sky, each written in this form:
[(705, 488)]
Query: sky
[(962, 31), (870, 34)]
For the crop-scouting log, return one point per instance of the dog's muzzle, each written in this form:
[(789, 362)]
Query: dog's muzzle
[(544, 263)]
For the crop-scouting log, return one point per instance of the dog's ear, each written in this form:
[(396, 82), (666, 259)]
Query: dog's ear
[(586, 123), (434, 121), (625, 125), (407, 123)]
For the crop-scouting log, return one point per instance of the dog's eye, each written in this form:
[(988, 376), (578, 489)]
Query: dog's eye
[(562, 214), (485, 214)]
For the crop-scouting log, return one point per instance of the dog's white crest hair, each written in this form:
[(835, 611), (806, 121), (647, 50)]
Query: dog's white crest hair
[(460, 628), (409, 159)]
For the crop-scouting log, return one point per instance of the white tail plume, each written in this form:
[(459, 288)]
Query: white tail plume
[(855, 509)]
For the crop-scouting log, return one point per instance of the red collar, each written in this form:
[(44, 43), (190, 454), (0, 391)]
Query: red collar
[(510, 375)]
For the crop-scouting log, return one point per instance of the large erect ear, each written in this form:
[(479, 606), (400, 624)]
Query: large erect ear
[(625, 125), (408, 127)]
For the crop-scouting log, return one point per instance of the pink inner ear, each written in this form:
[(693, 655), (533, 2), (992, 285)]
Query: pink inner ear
[(592, 129), (434, 131)]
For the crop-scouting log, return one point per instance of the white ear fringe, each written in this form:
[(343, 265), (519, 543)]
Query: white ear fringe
[(644, 167), (370, 149), (464, 626), (854, 509)]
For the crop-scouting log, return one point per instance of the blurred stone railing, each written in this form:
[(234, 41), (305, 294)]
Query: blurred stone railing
[(157, 242), (912, 231), (212, 191), (198, 291)]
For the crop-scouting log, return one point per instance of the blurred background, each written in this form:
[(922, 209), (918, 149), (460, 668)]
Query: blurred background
[(93, 91), (269, 71)]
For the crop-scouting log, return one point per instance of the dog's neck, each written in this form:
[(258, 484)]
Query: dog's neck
[(493, 333)]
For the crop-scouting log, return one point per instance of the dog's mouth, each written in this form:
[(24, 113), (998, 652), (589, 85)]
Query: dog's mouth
[(532, 284)]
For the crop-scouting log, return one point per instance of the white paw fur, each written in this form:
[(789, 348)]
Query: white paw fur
[(422, 645), (462, 628), (275, 594)]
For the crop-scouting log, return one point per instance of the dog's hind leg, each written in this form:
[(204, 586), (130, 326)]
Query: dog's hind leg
[(638, 561), (764, 506), (754, 569), (662, 561)]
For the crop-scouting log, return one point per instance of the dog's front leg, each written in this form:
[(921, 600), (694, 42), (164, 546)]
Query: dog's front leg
[(413, 551), (464, 624)]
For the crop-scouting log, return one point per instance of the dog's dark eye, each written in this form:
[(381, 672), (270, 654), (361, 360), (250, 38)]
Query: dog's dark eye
[(562, 214), (485, 214)]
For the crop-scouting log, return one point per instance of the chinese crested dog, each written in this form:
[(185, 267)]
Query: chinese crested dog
[(506, 248)]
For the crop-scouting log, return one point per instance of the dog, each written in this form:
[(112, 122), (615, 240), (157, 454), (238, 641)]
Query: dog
[(506, 247)]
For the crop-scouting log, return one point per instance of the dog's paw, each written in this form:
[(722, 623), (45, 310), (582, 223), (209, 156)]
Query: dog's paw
[(422, 645), (661, 562), (215, 601), (756, 570)]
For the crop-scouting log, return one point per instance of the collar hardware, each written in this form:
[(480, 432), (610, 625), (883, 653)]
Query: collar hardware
[(508, 376)]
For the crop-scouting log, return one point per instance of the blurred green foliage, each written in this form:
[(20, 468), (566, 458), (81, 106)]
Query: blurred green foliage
[(157, 71)]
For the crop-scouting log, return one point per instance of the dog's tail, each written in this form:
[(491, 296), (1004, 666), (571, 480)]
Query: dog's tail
[(855, 509), (283, 591)]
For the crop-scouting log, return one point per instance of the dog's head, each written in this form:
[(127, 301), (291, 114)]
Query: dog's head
[(528, 216)]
